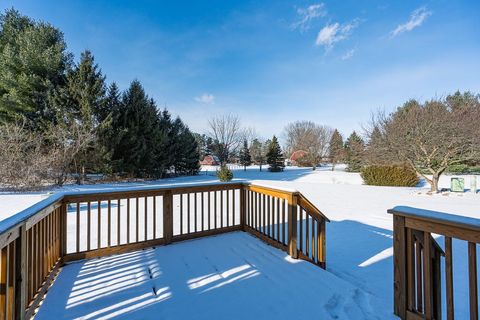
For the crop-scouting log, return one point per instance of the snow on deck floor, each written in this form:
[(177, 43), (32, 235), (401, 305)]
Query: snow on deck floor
[(231, 276)]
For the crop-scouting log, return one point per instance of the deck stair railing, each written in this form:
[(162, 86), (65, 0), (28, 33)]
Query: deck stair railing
[(65, 227), (417, 262)]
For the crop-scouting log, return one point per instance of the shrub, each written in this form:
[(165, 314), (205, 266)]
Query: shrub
[(224, 174), (395, 176), (458, 168)]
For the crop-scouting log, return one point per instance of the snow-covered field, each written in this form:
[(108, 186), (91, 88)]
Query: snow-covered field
[(359, 257)]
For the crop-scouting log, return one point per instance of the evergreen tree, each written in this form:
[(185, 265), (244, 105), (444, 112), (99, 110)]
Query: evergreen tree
[(139, 136), (245, 158), (186, 157), (355, 148), (256, 151), (274, 156), (33, 61), (81, 101), (336, 149)]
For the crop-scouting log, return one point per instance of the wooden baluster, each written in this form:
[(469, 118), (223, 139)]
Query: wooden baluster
[(209, 210), (78, 228), (268, 213), (284, 241), (472, 280), (109, 222), (301, 230), (427, 275), (410, 270), (181, 213), (215, 209), (221, 209), (307, 236), (3, 281), (264, 215), (137, 222), (99, 224), (418, 268), (195, 211), (119, 220), (203, 210), (89, 225), (255, 208), (145, 222), (31, 263), (128, 219), (233, 206), (188, 212), (278, 219), (227, 208), (449, 277), (10, 280), (154, 217)]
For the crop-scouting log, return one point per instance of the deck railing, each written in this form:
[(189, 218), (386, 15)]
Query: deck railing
[(72, 226), (417, 262)]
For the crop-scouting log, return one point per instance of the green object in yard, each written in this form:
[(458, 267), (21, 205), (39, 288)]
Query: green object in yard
[(458, 185)]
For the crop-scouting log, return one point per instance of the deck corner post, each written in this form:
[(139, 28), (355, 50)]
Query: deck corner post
[(243, 207), (399, 267), (292, 226), (168, 216), (322, 247)]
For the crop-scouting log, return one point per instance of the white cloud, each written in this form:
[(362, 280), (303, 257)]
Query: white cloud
[(306, 15), (347, 55), (333, 33), (206, 98), (417, 18)]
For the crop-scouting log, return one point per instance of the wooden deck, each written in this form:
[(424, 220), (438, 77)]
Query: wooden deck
[(228, 276)]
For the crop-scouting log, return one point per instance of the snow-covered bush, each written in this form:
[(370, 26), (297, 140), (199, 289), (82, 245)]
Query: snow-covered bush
[(224, 174), (395, 176)]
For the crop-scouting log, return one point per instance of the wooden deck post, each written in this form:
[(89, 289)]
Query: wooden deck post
[(168, 216), (321, 244), (292, 226), (243, 207), (399, 267)]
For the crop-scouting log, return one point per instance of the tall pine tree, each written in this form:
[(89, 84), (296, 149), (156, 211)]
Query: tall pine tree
[(245, 157), (336, 149), (138, 135), (274, 156), (33, 61), (355, 148)]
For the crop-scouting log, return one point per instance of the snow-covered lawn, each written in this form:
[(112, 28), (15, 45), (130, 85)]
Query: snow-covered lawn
[(359, 256)]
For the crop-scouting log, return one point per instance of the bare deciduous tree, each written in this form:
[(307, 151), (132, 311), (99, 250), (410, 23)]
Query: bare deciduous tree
[(31, 159), (429, 136), (310, 137), (226, 132)]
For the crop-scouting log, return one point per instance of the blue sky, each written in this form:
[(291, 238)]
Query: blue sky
[(273, 62)]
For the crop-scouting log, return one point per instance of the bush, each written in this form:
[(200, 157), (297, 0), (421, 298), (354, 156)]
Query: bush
[(224, 174), (458, 168), (394, 176)]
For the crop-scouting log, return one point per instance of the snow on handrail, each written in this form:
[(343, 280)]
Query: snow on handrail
[(18, 218), (436, 216)]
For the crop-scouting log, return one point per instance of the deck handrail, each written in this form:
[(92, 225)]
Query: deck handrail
[(417, 267), (74, 225)]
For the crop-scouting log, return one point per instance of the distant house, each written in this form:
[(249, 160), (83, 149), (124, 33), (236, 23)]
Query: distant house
[(296, 155), (210, 161)]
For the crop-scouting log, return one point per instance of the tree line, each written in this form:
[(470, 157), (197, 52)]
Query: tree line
[(60, 119)]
